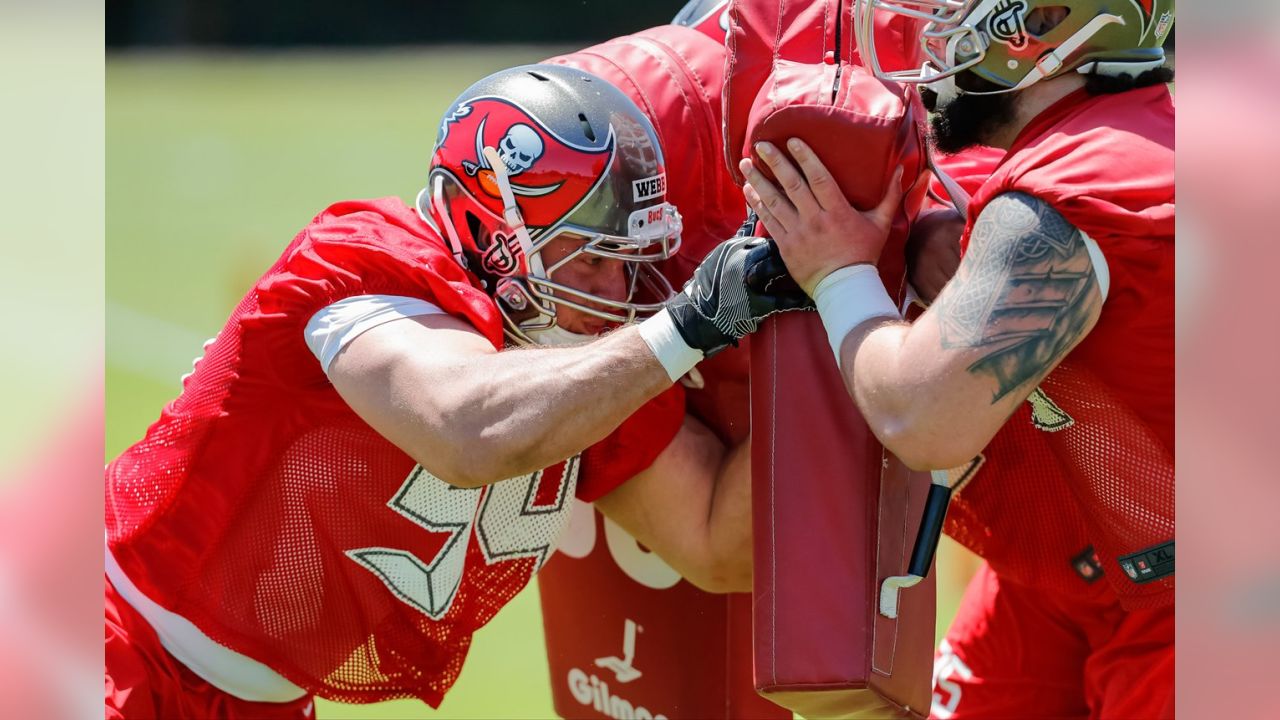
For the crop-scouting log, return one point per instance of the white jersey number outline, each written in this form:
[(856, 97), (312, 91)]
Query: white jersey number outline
[(947, 669), (507, 520)]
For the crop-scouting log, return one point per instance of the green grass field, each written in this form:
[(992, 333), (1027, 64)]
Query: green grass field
[(213, 163)]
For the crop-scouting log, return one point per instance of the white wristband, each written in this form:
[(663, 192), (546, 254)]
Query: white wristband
[(660, 334), (849, 297)]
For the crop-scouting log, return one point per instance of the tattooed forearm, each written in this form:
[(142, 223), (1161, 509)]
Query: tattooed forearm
[(1022, 294)]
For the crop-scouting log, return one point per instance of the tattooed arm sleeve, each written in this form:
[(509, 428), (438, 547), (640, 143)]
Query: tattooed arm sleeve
[(1025, 294)]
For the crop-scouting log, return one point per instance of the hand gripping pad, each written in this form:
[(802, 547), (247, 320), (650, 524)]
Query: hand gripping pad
[(834, 513), (861, 128)]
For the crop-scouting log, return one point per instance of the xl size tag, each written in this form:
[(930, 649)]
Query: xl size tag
[(1150, 564)]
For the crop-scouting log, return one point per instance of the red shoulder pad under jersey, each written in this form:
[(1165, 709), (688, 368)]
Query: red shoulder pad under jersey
[(675, 75), (633, 447), (1104, 162), (970, 168), (364, 247)]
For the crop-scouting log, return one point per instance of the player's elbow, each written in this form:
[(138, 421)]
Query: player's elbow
[(469, 464), (472, 454), (722, 572), (721, 581), (457, 473), (922, 446)]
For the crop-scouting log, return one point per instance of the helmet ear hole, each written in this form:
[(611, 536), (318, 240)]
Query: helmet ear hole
[(1044, 19), (473, 225)]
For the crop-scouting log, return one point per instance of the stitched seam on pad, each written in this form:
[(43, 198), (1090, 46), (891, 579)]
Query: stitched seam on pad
[(773, 524)]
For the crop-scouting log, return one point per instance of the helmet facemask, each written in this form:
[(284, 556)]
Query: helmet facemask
[(529, 303), (529, 295), (985, 47)]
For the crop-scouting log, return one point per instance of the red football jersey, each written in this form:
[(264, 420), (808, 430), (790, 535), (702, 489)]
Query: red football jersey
[(1088, 461), (969, 168), (265, 511)]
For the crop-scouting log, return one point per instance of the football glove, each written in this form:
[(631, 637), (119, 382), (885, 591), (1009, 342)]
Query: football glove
[(741, 282)]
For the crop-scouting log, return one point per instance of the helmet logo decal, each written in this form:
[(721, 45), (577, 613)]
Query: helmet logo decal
[(503, 255), (1162, 27), (519, 149), (1008, 24), (548, 174)]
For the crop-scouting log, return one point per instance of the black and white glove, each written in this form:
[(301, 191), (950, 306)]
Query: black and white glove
[(741, 282)]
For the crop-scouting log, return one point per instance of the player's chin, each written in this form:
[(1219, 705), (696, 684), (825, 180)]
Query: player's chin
[(604, 327), (587, 324), (584, 325)]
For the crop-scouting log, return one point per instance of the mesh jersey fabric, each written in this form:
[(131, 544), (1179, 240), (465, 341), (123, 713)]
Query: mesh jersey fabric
[(263, 510), (1105, 479)]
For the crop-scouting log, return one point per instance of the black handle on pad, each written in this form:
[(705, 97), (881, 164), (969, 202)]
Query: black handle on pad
[(935, 511)]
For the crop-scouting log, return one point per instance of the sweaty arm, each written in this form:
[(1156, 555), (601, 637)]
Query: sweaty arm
[(693, 508), (471, 415), (1027, 292)]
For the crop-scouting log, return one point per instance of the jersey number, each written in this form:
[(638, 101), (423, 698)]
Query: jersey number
[(516, 518), (949, 671)]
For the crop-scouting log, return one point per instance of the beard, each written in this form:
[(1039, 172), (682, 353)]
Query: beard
[(971, 120)]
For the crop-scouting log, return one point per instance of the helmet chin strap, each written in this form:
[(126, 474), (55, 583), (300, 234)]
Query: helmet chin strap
[(434, 193), (1051, 63), (946, 90), (554, 335), (511, 211)]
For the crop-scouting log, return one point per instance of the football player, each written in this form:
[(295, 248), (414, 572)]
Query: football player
[(1049, 355), (378, 450)]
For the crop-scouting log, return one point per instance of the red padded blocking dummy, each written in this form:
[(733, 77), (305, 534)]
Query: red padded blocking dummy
[(625, 636), (834, 513)]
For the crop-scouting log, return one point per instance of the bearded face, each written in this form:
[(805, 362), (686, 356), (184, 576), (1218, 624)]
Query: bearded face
[(969, 120)]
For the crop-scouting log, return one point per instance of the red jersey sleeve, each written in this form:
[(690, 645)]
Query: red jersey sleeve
[(633, 447), (373, 247)]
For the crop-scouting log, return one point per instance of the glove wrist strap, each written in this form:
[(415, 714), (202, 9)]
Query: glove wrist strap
[(660, 334), (848, 298)]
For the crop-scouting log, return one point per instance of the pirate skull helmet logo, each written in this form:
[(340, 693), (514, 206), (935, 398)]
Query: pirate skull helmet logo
[(520, 148)]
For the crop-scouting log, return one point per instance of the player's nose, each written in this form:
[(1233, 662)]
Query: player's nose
[(609, 280)]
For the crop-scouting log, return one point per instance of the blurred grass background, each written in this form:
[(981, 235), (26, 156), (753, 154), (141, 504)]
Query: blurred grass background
[(214, 162)]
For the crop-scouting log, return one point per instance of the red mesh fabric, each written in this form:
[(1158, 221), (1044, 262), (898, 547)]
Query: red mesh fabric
[(1106, 164), (1121, 474), (1042, 497), (143, 481), (262, 509), (1018, 512)]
